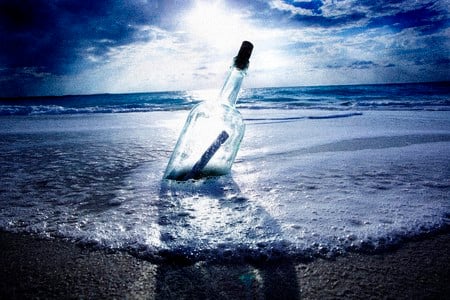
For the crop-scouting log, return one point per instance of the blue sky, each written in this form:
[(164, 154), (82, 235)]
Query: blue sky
[(55, 47)]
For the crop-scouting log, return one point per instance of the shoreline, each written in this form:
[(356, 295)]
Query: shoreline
[(52, 268)]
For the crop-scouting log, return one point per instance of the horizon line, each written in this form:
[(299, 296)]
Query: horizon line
[(248, 88)]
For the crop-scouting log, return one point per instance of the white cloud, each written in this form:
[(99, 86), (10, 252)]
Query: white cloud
[(283, 6)]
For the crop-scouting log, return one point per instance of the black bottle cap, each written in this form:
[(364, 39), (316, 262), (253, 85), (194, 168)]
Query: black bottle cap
[(241, 60)]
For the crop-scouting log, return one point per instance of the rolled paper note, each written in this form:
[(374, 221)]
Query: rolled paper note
[(197, 169)]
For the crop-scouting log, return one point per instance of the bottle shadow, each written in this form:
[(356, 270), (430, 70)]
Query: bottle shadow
[(216, 242)]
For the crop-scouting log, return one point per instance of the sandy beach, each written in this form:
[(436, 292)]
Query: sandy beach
[(34, 268)]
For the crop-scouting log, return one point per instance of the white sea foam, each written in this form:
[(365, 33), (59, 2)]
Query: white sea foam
[(305, 182)]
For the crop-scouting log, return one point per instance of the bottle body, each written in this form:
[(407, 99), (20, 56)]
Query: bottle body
[(208, 143)]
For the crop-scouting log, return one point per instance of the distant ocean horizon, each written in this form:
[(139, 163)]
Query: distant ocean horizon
[(391, 96)]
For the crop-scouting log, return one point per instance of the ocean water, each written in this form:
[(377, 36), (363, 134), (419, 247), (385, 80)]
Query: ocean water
[(321, 171), (414, 96)]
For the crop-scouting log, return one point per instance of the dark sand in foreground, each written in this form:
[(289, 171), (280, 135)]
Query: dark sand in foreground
[(55, 269)]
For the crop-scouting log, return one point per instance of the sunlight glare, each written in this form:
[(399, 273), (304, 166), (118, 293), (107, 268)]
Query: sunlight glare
[(203, 95), (216, 24)]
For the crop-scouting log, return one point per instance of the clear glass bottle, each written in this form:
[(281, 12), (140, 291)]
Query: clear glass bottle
[(213, 131)]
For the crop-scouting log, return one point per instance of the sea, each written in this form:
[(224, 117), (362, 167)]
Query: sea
[(322, 170), (412, 96)]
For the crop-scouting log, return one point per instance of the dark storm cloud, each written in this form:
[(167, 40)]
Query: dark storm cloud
[(53, 36), (362, 64), (359, 64)]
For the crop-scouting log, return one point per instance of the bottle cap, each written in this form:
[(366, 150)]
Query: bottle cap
[(241, 60)]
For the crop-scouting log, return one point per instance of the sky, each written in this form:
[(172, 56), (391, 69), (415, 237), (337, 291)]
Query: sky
[(58, 47)]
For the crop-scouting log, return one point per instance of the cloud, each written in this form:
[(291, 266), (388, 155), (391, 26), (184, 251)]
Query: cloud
[(398, 14), (72, 46), (312, 7), (358, 64), (369, 35), (55, 35), (59, 39)]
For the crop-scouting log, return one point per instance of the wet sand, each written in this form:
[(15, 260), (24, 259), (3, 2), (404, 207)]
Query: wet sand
[(55, 269)]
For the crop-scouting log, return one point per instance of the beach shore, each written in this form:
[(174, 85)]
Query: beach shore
[(55, 269)]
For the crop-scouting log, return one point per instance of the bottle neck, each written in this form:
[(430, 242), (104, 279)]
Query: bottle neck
[(230, 90)]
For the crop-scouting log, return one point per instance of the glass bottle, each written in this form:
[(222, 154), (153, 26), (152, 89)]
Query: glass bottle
[(213, 131)]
